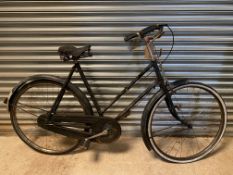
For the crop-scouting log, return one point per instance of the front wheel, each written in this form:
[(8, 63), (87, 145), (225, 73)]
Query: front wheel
[(196, 104)]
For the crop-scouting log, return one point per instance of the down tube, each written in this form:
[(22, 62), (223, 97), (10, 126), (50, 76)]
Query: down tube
[(128, 87), (126, 110)]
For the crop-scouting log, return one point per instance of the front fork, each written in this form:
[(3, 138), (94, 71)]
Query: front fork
[(164, 86), (172, 109)]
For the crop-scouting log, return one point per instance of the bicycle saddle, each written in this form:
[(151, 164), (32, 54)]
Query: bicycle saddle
[(68, 52)]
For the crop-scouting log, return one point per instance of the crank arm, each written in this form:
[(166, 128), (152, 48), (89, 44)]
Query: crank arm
[(104, 132), (87, 140)]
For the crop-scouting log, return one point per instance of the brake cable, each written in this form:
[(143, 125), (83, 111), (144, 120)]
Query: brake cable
[(173, 41)]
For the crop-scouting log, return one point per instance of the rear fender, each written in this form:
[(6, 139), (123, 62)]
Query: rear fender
[(77, 92)]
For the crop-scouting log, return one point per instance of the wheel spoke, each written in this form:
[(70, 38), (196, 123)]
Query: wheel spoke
[(27, 111), (181, 146), (177, 131), (26, 105)]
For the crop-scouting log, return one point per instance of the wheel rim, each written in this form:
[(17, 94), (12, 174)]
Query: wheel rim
[(35, 100), (177, 143)]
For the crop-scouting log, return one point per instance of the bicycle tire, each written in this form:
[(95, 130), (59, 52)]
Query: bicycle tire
[(31, 96), (158, 115)]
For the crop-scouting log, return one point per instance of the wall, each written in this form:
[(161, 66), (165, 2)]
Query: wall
[(31, 31)]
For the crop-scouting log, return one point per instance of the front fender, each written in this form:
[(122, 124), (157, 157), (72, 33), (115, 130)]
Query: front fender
[(147, 110), (35, 78)]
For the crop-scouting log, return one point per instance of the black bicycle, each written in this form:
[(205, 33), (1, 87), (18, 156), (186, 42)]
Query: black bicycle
[(182, 122)]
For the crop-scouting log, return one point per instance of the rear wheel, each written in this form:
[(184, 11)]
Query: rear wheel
[(35, 99), (198, 105)]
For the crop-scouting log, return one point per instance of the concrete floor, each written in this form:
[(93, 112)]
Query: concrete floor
[(126, 156)]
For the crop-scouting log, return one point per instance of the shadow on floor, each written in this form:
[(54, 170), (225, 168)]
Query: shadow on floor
[(119, 146)]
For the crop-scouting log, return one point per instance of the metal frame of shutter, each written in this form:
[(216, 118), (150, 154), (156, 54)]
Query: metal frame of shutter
[(31, 31)]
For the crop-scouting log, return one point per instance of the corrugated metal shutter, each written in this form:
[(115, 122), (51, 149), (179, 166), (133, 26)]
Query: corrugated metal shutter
[(31, 31)]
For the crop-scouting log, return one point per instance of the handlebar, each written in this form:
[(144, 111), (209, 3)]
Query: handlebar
[(130, 36), (144, 31)]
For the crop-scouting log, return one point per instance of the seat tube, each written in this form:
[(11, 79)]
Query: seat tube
[(89, 90), (61, 93)]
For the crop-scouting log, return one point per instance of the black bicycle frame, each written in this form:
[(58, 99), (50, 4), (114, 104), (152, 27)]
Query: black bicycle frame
[(160, 81), (124, 113)]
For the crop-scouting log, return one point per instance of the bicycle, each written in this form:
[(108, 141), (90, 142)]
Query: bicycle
[(181, 123)]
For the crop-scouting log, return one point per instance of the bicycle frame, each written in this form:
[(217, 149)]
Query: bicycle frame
[(124, 91), (160, 81)]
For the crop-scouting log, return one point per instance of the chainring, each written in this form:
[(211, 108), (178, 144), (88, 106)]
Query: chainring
[(113, 128)]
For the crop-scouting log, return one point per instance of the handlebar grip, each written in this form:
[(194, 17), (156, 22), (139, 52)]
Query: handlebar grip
[(149, 29), (145, 31), (130, 36)]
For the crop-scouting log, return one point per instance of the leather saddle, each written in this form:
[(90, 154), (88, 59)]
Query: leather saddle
[(70, 52)]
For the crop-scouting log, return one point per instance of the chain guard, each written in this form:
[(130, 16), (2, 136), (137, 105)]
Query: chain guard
[(62, 124)]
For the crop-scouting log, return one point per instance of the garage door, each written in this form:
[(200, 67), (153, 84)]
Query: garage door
[(31, 32)]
